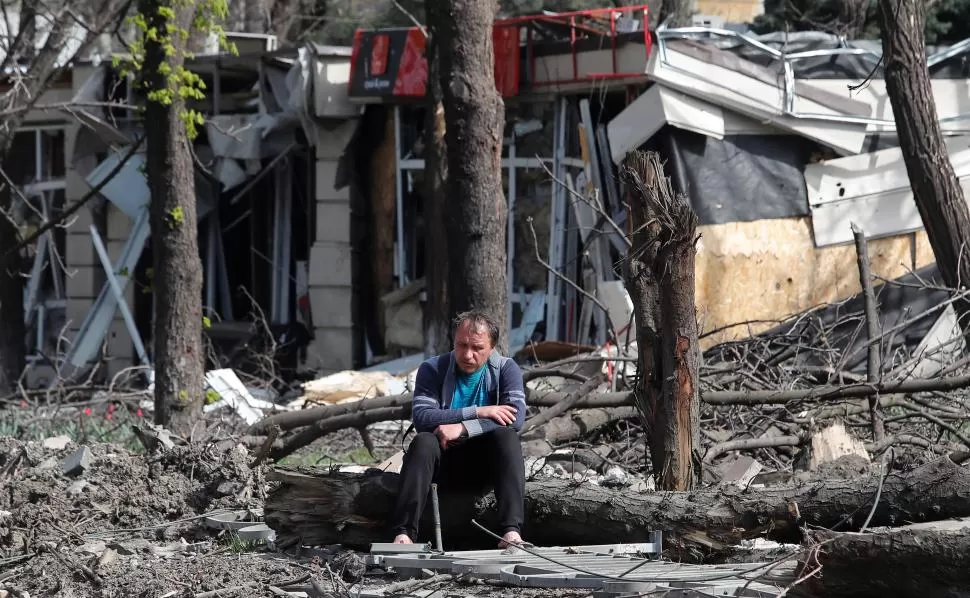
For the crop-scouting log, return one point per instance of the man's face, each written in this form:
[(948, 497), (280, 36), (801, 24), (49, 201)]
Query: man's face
[(472, 346)]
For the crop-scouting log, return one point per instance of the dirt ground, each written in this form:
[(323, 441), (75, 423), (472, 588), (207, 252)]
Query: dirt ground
[(134, 525)]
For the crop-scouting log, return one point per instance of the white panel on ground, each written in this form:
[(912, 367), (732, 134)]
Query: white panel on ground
[(872, 190)]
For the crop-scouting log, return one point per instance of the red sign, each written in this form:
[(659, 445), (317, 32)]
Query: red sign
[(394, 62)]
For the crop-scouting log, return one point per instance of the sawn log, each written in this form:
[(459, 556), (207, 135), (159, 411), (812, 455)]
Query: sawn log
[(317, 508), (929, 560)]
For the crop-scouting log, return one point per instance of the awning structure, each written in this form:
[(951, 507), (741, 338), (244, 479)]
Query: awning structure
[(761, 128)]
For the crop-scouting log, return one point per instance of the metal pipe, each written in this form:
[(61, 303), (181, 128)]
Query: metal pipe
[(437, 518)]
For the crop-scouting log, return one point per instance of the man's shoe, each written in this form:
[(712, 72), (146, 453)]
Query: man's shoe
[(402, 539)]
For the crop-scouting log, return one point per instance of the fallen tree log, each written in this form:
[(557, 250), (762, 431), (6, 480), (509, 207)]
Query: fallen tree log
[(290, 420), (295, 419), (930, 560), (572, 426), (316, 508)]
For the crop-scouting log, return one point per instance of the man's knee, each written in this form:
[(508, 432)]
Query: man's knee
[(507, 438)]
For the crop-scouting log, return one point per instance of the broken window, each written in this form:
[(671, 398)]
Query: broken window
[(36, 165)]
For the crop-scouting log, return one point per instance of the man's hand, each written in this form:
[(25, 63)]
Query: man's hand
[(448, 433), (503, 415)]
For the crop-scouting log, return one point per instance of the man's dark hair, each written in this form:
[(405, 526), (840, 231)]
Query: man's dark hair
[(477, 318)]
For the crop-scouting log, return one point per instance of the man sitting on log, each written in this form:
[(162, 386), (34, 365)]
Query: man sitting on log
[(468, 408)]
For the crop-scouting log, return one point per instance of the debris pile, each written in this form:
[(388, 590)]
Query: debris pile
[(99, 514)]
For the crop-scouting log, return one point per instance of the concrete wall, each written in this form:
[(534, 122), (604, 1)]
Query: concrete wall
[(331, 262)]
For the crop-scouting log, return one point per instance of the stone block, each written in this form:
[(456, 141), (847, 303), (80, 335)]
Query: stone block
[(75, 186), (39, 376), (333, 222), (77, 309), (83, 282), (332, 306), (80, 222), (120, 347), (119, 226), (332, 349), (80, 250), (332, 137), (325, 176), (331, 264), (77, 462)]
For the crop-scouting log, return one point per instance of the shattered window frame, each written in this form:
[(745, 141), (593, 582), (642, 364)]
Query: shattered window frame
[(47, 159)]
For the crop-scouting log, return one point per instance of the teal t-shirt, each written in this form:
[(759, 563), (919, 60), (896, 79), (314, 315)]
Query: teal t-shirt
[(470, 389)]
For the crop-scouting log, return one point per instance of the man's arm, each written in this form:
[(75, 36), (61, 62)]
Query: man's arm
[(426, 411), (513, 393)]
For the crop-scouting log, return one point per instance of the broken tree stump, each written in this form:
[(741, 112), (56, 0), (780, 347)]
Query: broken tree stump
[(317, 508), (659, 276)]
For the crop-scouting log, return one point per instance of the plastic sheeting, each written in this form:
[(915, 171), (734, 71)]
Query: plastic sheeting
[(741, 178)]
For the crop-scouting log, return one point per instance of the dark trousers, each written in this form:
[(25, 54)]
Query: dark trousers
[(492, 460)]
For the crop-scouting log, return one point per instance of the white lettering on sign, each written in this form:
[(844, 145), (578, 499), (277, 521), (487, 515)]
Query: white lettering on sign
[(376, 84)]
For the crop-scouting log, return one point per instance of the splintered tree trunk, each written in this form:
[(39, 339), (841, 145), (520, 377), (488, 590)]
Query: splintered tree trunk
[(475, 122), (936, 188), (436, 325), (177, 274), (660, 280)]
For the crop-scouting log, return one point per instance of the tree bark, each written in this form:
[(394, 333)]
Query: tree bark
[(936, 189), (436, 324), (678, 11), (926, 560), (474, 123), (660, 280), (852, 18), (177, 274), (319, 508), (572, 426)]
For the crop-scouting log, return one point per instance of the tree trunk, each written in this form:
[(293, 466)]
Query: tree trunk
[(436, 324), (936, 189), (12, 331), (927, 560), (660, 281), (318, 508), (475, 123), (678, 11), (852, 18), (177, 274)]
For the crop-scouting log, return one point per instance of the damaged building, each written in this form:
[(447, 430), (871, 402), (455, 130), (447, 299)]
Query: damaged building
[(274, 228), (310, 188)]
